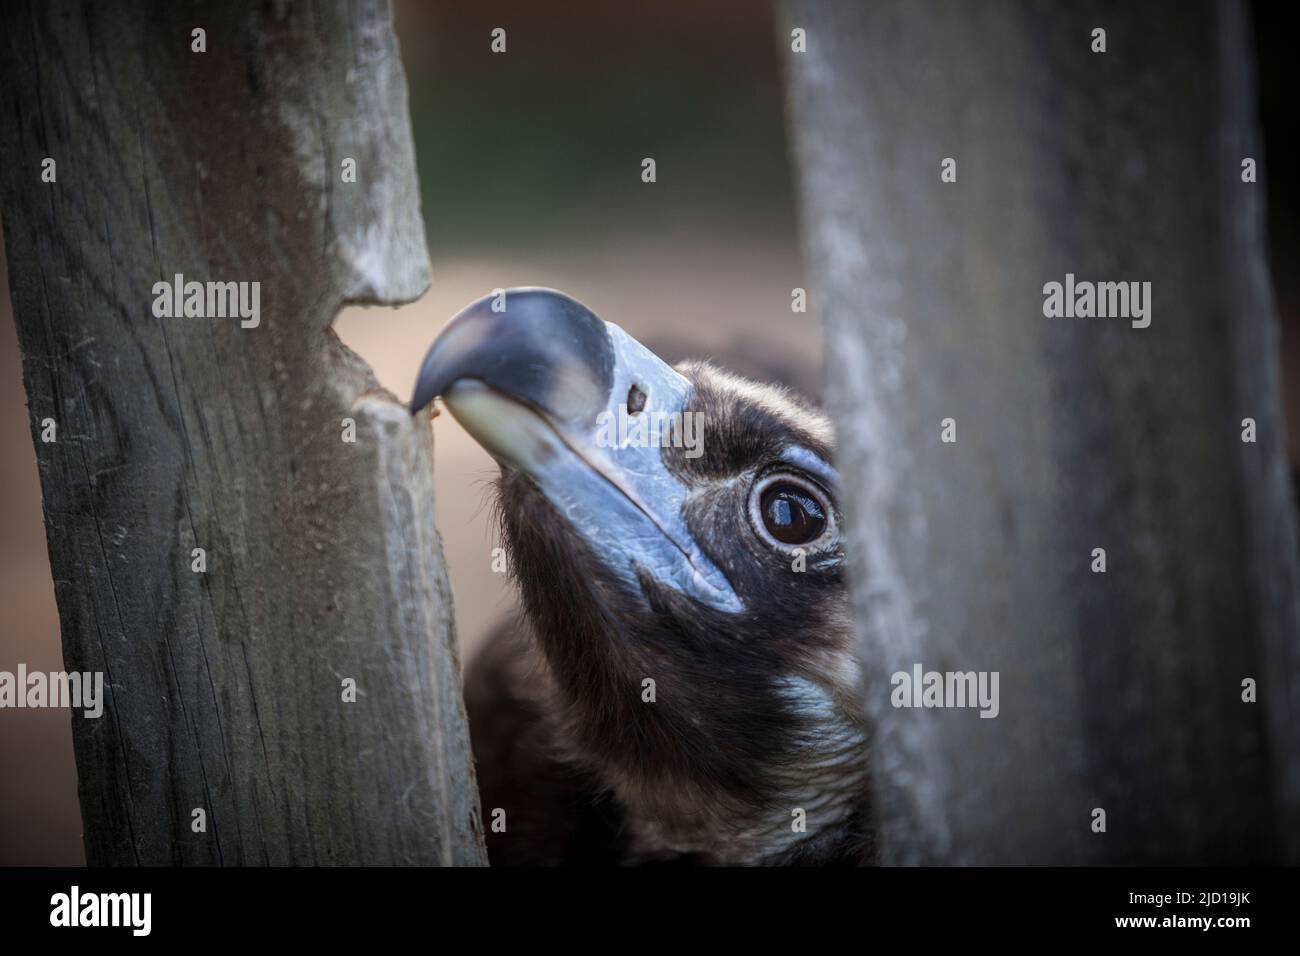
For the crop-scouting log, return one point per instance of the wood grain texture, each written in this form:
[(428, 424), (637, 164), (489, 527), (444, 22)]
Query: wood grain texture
[(1119, 690), (323, 561)]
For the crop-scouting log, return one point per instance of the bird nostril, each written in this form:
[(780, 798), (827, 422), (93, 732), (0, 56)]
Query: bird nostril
[(635, 400)]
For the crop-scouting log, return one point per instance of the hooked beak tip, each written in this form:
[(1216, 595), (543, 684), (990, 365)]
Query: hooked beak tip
[(422, 398)]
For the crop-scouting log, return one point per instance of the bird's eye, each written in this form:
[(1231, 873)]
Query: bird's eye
[(791, 515), (790, 512)]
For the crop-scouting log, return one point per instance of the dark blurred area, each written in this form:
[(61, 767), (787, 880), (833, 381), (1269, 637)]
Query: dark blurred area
[(530, 166)]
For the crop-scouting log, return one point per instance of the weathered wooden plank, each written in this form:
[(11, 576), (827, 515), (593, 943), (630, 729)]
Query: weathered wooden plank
[(323, 562), (1122, 690)]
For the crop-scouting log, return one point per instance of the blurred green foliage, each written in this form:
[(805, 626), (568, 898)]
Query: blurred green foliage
[(518, 154)]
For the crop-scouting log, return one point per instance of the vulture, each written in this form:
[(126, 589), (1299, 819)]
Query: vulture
[(682, 684)]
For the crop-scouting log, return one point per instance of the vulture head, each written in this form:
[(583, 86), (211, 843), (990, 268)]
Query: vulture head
[(676, 541)]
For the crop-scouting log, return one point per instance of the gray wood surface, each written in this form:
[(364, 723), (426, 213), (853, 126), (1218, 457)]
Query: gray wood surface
[(1121, 690), (225, 688)]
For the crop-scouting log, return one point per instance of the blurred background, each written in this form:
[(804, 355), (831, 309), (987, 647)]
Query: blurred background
[(530, 166)]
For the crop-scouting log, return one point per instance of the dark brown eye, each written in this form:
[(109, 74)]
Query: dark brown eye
[(791, 513)]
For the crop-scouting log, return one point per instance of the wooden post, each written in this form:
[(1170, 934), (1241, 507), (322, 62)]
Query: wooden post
[(137, 149), (1120, 691)]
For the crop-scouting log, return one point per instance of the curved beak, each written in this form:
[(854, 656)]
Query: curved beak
[(585, 410)]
